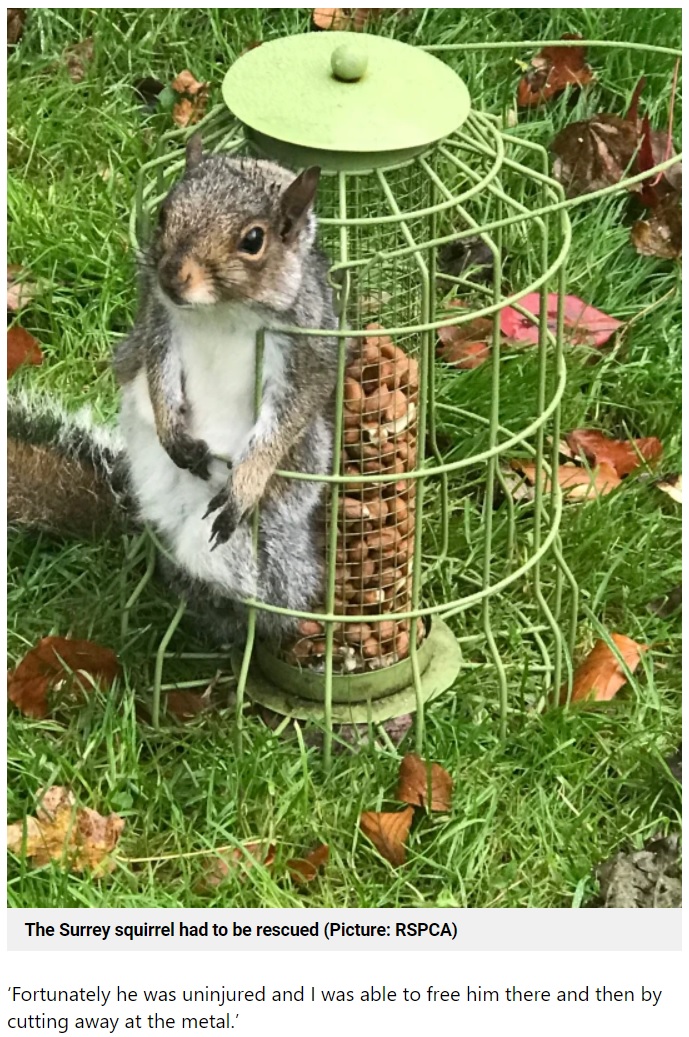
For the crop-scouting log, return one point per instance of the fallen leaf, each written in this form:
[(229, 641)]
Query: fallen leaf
[(16, 16), (186, 705), (57, 659), (554, 69), (340, 19), (577, 484), (19, 290), (305, 869), (466, 345), (623, 455), (672, 485), (77, 58), (239, 859), (661, 234), (187, 83), (192, 99), (62, 831), (601, 675), (388, 832), (584, 324), (594, 153), (412, 784), (22, 348), (655, 146)]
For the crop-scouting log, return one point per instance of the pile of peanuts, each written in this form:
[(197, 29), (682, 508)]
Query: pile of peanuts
[(375, 530)]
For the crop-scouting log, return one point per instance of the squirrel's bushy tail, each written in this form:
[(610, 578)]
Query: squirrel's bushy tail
[(65, 474)]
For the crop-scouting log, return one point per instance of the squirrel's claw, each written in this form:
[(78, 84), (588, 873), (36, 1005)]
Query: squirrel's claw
[(192, 454), (226, 521), (219, 501)]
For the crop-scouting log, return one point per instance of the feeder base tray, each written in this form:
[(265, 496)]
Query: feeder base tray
[(441, 665)]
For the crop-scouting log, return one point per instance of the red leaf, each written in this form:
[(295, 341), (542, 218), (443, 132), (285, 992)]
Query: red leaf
[(600, 676), (583, 323), (553, 69), (22, 348), (53, 660), (623, 455)]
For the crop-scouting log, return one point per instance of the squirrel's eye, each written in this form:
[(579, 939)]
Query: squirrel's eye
[(252, 242)]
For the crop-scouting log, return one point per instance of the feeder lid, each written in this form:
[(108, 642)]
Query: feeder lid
[(344, 100)]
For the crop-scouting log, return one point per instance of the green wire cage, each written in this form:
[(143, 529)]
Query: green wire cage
[(428, 554)]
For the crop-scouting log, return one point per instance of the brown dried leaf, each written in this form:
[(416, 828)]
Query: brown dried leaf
[(594, 153), (553, 69), (672, 485), (340, 19), (305, 869), (187, 83), (77, 57), (19, 291), (53, 660), (466, 346), (600, 676), (661, 234), (621, 454), (186, 705), (577, 483), (16, 16), (62, 831), (22, 348), (388, 832), (191, 106), (412, 784), (240, 859)]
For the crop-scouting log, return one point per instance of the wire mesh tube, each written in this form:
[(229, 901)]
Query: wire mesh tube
[(375, 520)]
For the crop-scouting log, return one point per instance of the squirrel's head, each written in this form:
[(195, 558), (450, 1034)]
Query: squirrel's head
[(234, 230)]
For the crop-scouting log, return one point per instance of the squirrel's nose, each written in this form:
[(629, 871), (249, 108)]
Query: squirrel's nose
[(182, 279)]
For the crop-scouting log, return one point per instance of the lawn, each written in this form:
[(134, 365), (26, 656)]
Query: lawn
[(533, 814)]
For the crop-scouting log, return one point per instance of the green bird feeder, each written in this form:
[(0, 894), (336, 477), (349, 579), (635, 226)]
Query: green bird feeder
[(431, 558)]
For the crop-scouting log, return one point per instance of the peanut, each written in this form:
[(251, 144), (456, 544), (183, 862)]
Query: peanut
[(385, 630), (378, 403), (396, 406), (353, 395), (357, 633), (402, 643), (310, 627), (357, 550), (353, 509), (370, 648), (364, 571)]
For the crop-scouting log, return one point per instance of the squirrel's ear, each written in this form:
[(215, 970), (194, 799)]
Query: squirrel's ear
[(194, 151), (296, 203)]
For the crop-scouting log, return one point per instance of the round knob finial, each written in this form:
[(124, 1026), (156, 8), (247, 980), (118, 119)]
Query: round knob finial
[(349, 62)]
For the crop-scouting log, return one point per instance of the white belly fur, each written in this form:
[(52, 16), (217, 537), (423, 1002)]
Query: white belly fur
[(217, 352)]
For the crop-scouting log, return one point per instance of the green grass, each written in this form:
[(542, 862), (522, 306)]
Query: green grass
[(531, 817)]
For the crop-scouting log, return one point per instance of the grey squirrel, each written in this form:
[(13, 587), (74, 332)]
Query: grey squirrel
[(233, 254)]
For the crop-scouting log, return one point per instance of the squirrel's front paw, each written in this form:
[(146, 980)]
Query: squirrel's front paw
[(227, 519), (192, 454)]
